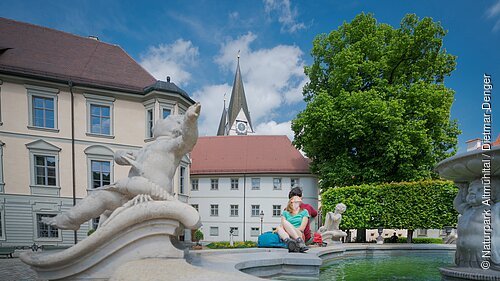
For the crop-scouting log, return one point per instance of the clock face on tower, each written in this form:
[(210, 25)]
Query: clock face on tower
[(241, 127)]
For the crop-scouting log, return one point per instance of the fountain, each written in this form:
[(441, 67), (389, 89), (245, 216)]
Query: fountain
[(139, 218), (477, 174)]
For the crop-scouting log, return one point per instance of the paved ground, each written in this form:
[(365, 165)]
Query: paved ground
[(14, 270)]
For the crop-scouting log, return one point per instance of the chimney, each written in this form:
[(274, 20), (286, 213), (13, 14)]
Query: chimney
[(473, 144), (94, 37), (168, 79)]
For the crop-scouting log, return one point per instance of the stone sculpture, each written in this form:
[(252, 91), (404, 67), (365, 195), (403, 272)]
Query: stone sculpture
[(477, 174), (140, 217), (470, 224), (151, 172), (330, 232)]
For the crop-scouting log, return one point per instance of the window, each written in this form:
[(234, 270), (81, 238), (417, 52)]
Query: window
[(255, 231), (276, 183), (234, 211), (101, 173), (276, 210), (99, 166), (255, 183), (45, 170), (421, 232), (214, 210), (43, 112), (2, 183), (182, 178), (255, 210), (166, 112), (1, 123), (294, 182), (42, 104), (214, 184), (214, 231), (166, 107), (195, 206), (43, 230), (149, 122), (1, 225), (95, 223), (234, 184), (99, 115), (194, 184), (234, 230), (100, 118)]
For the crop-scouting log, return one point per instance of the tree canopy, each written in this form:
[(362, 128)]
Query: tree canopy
[(377, 107)]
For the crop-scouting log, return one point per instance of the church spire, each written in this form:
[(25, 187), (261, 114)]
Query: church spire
[(237, 111), (223, 120)]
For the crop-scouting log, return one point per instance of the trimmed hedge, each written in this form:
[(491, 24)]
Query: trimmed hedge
[(237, 244), (405, 205), (417, 240)]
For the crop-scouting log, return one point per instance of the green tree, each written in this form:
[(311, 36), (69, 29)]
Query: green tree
[(377, 107)]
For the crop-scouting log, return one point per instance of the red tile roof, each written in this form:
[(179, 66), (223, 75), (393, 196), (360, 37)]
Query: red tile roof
[(43, 52), (497, 141), (247, 154)]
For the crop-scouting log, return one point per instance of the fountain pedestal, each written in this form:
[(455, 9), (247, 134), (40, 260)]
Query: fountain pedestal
[(477, 174), (144, 231)]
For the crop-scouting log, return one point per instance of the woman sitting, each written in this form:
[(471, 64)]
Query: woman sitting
[(293, 222)]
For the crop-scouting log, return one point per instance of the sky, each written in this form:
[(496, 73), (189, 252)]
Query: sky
[(196, 43)]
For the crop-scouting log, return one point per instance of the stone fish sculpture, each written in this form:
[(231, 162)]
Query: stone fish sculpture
[(140, 217), (151, 172)]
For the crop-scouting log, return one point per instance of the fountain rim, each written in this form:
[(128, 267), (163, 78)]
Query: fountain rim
[(463, 156)]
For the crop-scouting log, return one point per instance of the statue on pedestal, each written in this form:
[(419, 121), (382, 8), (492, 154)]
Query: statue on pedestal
[(330, 232), (139, 216)]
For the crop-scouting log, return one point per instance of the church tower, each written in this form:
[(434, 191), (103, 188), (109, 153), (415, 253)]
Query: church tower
[(235, 120)]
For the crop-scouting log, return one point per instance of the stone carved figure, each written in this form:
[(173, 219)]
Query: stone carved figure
[(331, 232), (150, 175), (470, 229), (495, 237)]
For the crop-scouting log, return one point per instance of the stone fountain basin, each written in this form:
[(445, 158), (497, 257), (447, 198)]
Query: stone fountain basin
[(468, 166)]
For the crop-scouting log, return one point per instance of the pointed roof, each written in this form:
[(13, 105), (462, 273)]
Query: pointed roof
[(222, 125), (238, 100)]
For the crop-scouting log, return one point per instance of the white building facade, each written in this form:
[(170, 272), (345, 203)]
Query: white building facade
[(238, 180), (238, 202)]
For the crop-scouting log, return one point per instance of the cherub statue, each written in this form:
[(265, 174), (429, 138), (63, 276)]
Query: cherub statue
[(331, 232), (495, 222), (150, 175), (470, 227)]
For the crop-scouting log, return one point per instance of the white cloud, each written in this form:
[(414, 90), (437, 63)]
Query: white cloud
[(234, 15), (273, 128), (171, 60), (494, 12), (286, 14), (211, 98), (272, 77)]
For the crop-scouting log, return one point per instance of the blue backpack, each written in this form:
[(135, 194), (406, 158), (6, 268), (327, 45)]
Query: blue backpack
[(270, 240)]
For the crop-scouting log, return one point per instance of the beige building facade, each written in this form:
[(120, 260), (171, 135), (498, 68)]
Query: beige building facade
[(65, 108)]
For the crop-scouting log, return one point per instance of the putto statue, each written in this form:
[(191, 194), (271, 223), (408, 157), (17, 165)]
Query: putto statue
[(330, 232), (153, 168), (140, 219)]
